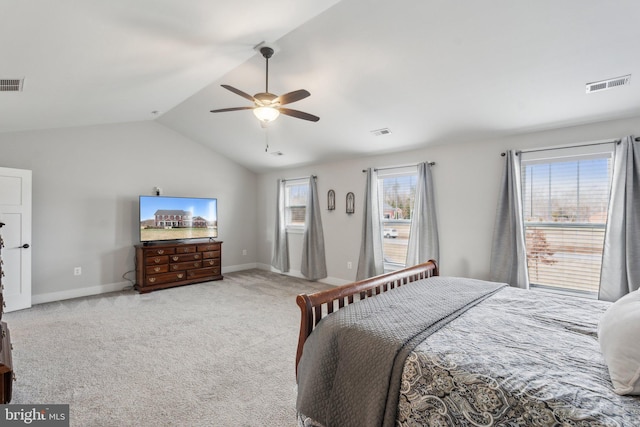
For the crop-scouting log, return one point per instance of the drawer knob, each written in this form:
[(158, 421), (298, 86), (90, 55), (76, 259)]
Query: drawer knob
[(157, 260), (195, 264), (175, 258), (160, 251), (197, 256), (180, 276), (152, 279), (156, 269)]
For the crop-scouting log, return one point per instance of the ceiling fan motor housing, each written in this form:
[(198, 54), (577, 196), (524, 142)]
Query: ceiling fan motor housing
[(266, 51), (265, 98)]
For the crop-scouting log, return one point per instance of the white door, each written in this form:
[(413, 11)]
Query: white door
[(15, 213)]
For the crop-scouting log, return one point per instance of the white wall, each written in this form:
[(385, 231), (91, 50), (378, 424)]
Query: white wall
[(86, 183), (466, 179)]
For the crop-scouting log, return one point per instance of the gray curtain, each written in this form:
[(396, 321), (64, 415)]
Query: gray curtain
[(621, 257), (371, 262), (508, 252), (280, 258), (423, 237), (314, 265)]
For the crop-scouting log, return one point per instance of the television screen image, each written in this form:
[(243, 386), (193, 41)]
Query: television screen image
[(177, 218)]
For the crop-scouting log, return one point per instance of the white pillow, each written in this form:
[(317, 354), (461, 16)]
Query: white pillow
[(619, 337)]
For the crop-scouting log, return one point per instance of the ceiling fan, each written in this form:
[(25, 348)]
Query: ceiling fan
[(267, 106)]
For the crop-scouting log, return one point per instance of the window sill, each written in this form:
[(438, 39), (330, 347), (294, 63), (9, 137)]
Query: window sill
[(295, 230), (565, 292)]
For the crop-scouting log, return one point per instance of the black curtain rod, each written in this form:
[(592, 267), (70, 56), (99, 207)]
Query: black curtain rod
[(617, 141), (296, 179), (398, 167)]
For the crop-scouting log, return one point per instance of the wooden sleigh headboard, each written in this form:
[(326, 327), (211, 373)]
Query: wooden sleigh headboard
[(314, 307)]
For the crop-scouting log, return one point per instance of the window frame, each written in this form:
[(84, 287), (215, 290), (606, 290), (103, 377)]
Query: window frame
[(389, 173), (294, 227), (597, 150)]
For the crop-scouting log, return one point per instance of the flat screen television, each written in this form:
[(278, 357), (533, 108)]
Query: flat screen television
[(177, 218)]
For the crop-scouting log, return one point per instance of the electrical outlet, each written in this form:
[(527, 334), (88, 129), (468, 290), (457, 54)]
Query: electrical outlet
[(77, 271), (244, 252), (349, 265)]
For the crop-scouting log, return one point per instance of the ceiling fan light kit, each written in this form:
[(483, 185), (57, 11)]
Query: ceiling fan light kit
[(267, 106), (266, 114)]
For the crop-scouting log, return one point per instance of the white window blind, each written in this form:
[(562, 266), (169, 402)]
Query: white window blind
[(565, 198), (295, 202), (396, 192)]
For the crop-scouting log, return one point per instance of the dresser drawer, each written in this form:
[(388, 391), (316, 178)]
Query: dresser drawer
[(188, 265), (160, 251), (211, 262), (186, 249), (185, 257), (155, 260), (155, 269), (203, 272), (209, 247), (211, 254), (156, 279)]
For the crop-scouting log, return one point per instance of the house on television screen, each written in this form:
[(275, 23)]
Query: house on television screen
[(199, 222), (173, 218)]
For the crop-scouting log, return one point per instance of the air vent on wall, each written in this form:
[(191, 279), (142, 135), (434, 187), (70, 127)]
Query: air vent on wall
[(608, 84), (11, 85), (383, 131)]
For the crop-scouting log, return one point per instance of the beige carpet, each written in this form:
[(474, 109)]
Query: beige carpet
[(212, 354)]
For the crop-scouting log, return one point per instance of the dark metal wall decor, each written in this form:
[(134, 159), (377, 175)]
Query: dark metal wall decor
[(331, 200), (351, 202)]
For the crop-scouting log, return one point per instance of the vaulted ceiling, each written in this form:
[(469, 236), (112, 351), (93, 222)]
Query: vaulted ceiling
[(431, 71)]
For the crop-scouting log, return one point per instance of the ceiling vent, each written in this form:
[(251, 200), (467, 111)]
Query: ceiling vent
[(11, 85), (380, 132), (608, 84)]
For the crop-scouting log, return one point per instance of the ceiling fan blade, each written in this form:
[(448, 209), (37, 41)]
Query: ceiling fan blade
[(239, 92), (294, 96), (299, 114), (232, 109)]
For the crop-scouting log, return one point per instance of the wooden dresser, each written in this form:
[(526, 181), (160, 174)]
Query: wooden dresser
[(6, 364), (167, 265)]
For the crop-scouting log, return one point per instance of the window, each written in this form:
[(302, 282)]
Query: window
[(396, 193), (565, 199), (295, 202)]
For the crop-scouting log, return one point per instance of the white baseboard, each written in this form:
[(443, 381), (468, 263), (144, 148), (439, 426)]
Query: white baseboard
[(239, 267), (334, 281), (79, 292), (114, 287)]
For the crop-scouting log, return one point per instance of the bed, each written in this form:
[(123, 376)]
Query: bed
[(412, 348)]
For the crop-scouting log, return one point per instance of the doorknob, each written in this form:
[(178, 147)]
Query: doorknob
[(25, 246)]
